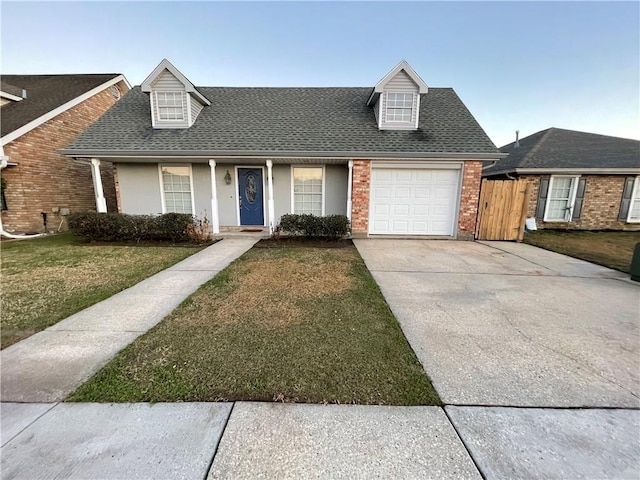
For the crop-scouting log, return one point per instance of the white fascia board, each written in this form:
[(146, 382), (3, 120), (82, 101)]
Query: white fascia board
[(403, 65), (154, 155), (577, 171), (57, 111), (167, 65), (10, 97)]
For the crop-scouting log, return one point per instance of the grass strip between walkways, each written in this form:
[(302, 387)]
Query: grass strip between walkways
[(279, 324)]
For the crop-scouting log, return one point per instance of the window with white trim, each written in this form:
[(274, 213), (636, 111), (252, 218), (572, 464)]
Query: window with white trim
[(634, 206), (399, 107), (307, 190), (170, 106), (176, 189), (561, 198)]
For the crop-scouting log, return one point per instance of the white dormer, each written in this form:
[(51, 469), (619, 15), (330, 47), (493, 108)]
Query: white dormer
[(396, 98), (175, 101)]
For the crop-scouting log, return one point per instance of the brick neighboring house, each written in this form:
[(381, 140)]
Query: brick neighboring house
[(580, 181), (41, 114), (398, 158)]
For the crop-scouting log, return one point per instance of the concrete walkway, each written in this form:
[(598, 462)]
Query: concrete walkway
[(49, 365), (249, 440)]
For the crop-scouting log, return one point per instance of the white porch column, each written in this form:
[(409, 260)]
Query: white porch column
[(270, 206), (101, 202), (349, 189), (215, 220)]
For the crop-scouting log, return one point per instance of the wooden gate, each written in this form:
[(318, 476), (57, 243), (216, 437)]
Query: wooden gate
[(502, 209)]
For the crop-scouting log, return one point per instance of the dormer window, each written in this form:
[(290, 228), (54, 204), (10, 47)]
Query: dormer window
[(399, 107), (396, 99), (170, 106), (175, 102)]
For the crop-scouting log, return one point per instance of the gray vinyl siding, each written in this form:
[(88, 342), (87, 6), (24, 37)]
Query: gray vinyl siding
[(139, 188), (201, 190), (196, 108), (335, 189), (281, 190), (400, 83), (166, 82)]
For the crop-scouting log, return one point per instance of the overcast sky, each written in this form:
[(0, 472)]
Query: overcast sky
[(516, 65)]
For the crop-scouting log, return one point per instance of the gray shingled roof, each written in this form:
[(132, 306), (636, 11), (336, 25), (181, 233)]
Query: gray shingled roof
[(272, 120), (44, 93), (558, 148)]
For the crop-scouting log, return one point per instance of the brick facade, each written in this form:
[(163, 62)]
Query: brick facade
[(360, 198), (469, 194), (601, 206), (471, 176), (43, 180)]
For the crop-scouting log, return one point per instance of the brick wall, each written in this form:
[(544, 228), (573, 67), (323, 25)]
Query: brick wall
[(468, 214), (600, 209), (44, 180), (360, 198)]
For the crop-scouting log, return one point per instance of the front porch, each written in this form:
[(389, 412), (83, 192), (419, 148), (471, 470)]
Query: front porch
[(245, 196)]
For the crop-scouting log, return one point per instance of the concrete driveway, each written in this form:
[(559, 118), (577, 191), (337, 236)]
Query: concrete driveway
[(513, 325)]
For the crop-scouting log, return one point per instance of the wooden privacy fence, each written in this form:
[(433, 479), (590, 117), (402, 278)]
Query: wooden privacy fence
[(502, 210)]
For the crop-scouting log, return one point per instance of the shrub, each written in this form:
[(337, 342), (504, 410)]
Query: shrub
[(109, 227), (332, 227)]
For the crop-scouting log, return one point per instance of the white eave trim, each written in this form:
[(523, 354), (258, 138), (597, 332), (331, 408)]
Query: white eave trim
[(8, 96), (167, 65), (568, 171), (57, 111), (403, 65), (191, 154)]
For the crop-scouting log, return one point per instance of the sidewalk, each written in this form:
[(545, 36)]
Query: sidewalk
[(272, 440), (50, 365)]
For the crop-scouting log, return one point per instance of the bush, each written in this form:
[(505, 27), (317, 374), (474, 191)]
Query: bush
[(109, 227), (332, 227)]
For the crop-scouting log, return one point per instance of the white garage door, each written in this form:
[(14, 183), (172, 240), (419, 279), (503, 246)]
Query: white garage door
[(413, 201)]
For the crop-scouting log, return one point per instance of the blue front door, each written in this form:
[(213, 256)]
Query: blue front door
[(250, 196)]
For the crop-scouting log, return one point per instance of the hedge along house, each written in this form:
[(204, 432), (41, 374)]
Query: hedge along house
[(580, 181), (41, 114), (397, 159)]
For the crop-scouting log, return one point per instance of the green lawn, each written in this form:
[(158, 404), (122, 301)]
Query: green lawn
[(279, 324), (611, 249), (44, 280)]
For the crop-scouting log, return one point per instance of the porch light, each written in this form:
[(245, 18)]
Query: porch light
[(227, 178)]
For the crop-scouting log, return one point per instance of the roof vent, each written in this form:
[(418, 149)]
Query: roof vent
[(517, 143)]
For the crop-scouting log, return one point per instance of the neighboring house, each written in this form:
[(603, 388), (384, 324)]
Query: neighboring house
[(397, 159), (580, 180), (39, 115)]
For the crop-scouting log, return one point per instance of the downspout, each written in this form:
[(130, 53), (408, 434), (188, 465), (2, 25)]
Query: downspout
[(3, 165)]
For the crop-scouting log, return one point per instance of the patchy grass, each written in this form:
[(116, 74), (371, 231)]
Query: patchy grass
[(44, 280), (290, 324), (611, 249)]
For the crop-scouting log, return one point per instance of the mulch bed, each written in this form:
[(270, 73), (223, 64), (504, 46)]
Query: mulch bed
[(296, 242)]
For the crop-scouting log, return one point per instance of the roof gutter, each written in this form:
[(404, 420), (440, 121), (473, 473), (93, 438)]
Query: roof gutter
[(485, 157), (584, 171)]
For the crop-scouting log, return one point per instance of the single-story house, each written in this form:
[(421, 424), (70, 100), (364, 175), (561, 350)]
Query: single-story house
[(397, 158), (579, 180), (41, 114)]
